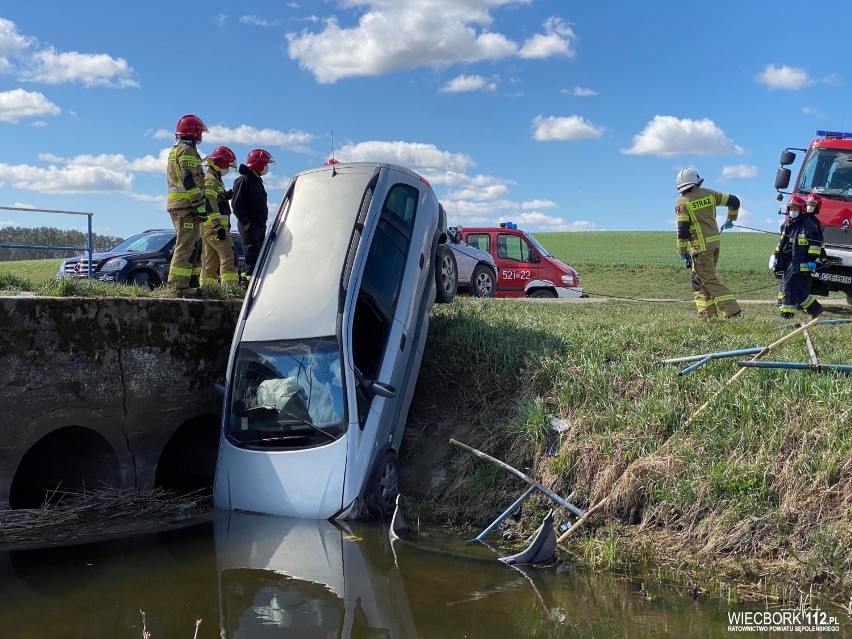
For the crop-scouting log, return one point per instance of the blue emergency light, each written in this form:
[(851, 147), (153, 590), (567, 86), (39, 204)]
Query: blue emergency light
[(508, 225), (843, 135)]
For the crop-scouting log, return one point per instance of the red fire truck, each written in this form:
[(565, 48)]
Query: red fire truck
[(827, 171)]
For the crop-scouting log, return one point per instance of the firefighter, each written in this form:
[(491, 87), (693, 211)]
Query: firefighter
[(250, 204), (804, 236), (186, 203), (695, 211), (217, 253)]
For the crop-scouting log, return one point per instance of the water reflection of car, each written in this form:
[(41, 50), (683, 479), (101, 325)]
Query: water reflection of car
[(477, 270), (329, 342), (142, 259), (313, 578)]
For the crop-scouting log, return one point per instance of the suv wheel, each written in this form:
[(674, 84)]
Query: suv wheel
[(482, 282), (446, 275), (141, 279)]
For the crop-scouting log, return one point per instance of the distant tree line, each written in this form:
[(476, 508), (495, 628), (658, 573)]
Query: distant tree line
[(48, 236)]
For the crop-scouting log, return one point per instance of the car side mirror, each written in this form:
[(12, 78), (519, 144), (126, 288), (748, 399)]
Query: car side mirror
[(787, 157), (383, 390), (782, 178)]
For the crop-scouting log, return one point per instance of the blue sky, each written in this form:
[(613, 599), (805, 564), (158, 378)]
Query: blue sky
[(557, 115)]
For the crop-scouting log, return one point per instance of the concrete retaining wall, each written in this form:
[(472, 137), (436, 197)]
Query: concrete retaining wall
[(105, 379)]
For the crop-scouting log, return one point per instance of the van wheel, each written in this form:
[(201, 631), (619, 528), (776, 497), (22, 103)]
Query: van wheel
[(482, 283), (141, 279), (849, 297), (543, 293), (446, 275), (384, 485)]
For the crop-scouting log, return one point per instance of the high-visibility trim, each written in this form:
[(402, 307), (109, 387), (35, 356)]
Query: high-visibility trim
[(213, 217), (803, 268), (229, 277), (786, 308), (179, 271), (704, 304), (811, 299), (814, 250), (724, 298)]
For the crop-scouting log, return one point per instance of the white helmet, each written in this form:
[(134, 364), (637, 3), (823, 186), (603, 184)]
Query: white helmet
[(687, 178)]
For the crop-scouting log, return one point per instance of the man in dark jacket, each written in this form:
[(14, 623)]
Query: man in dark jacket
[(249, 203)]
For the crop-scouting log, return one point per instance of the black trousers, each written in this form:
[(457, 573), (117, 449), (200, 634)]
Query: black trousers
[(252, 237)]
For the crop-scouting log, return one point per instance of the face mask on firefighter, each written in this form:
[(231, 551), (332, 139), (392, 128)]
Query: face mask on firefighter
[(224, 170), (811, 208), (265, 170), (793, 213)]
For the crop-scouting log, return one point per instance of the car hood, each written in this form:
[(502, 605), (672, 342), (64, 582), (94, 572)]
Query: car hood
[(470, 251), (102, 257), (563, 265)]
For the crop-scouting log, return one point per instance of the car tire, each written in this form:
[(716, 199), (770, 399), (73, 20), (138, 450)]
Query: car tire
[(483, 282), (384, 484), (849, 297), (446, 275), (141, 279), (543, 293)]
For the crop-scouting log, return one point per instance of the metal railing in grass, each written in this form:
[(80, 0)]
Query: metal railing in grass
[(89, 249)]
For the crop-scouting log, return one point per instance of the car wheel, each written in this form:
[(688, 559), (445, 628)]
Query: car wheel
[(543, 293), (384, 485), (141, 279), (482, 283), (446, 275), (849, 297)]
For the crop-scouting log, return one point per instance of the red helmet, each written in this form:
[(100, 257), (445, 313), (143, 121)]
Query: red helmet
[(190, 126), (222, 156), (798, 201), (813, 203), (258, 159)]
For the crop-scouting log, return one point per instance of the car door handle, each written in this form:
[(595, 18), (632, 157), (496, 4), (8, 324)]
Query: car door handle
[(402, 343), (422, 259)]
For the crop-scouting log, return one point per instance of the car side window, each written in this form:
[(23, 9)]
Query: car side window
[(481, 241), (512, 247), (383, 274)]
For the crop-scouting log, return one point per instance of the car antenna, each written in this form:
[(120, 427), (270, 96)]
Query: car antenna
[(333, 161)]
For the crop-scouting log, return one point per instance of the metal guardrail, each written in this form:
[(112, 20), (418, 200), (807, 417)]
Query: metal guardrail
[(89, 249)]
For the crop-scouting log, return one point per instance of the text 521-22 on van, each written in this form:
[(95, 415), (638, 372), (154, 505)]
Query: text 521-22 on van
[(329, 342)]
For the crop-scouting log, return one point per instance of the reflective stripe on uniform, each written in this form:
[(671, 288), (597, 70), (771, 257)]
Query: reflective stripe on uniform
[(811, 299), (179, 271)]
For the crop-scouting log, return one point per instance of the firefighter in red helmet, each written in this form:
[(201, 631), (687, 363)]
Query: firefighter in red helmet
[(186, 203), (801, 244), (250, 204), (217, 253)]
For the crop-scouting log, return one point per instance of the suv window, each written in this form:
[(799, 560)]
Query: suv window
[(145, 243)]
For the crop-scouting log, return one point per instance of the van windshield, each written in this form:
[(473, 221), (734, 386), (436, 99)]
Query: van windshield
[(827, 172), (287, 394), (541, 250)]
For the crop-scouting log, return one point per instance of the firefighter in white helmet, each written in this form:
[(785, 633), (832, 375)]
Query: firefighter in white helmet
[(186, 203), (217, 254), (695, 211)]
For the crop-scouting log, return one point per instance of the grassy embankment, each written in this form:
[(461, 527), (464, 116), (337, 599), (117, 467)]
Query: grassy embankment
[(752, 496)]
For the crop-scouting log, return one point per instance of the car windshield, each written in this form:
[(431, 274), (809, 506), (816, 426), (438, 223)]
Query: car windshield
[(287, 394), (144, 243), (542, 251), (827, 172)]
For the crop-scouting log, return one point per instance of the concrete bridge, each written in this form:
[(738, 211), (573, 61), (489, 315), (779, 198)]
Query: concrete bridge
[(109, 392)]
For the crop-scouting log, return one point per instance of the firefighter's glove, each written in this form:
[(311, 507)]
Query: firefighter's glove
[(773, 262), (729, 224), (811, 266), (221, 233)]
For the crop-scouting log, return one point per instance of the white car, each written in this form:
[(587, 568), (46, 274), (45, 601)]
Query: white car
[(329, 342), (476, 269)]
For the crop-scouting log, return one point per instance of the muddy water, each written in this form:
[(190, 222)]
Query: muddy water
[(254, 576)]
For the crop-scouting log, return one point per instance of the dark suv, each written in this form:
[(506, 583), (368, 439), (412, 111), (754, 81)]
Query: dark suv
[(142, 259)]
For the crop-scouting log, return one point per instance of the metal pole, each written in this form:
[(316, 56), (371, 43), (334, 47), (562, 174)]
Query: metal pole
[(843, 368), (517, 473), (91, 245), (695, 358), (698, 364), (505, 514), (811, 349)]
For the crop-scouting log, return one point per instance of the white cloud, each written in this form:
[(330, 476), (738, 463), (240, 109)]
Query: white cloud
[(832, 79), (422, 158), (812, 111), (65, 180), (739, 171), (250, 136), (555, 41), (89, 69), (579, 92), (536, 220), (667, 136), (258, 21), (392, 35), (467, 83), (18, 104), (783, 77), (572, 127), (473, 192), (539, 204), (220, 20)]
